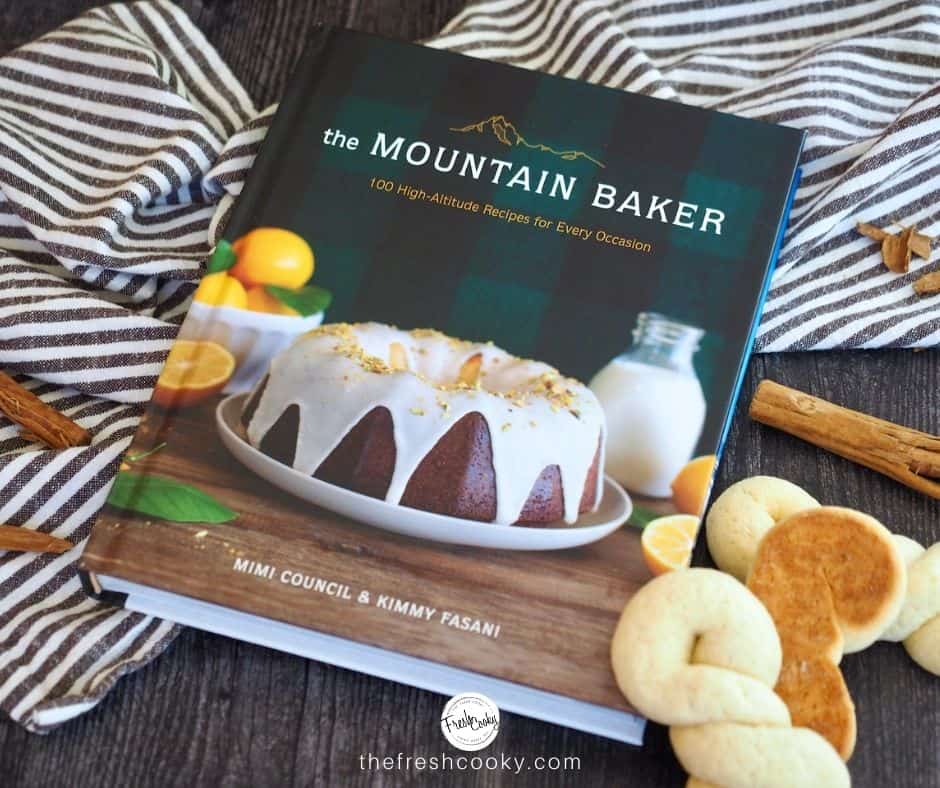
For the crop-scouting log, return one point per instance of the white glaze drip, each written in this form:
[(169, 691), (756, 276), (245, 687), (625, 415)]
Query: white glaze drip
[(337, 374)]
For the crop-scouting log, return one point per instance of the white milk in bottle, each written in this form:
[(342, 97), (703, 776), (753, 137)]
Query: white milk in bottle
[(654, 405)]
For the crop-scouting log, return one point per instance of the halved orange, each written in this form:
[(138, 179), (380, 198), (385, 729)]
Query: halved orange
[(692, 484), (668, 541), (194, 371)]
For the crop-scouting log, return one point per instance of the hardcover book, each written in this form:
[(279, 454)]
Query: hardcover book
[(464, 330)]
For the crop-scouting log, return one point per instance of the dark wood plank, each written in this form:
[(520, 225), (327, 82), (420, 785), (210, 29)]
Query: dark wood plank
[(213, 711)]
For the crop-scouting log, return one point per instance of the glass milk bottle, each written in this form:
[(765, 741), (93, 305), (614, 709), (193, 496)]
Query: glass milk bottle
[(654, 405)]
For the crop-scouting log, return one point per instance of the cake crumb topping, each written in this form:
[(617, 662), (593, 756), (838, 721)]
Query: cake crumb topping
[(549, 385)]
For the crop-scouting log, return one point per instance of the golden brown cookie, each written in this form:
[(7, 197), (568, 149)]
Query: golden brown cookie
[(833, 580)]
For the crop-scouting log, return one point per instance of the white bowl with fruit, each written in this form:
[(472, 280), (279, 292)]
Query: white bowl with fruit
[(255, 299)]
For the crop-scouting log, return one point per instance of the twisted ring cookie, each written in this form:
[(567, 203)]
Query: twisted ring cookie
[(742, 515), (695, 650), (833, 581), (918, 624)]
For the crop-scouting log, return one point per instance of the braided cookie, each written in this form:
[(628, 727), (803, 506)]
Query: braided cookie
[(743, 513), (833, 581), (695, 650), (918, 624)]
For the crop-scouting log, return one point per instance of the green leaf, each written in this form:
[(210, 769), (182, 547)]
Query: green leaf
[(306, 300), (222, 258), (641, 517), (158, 496)]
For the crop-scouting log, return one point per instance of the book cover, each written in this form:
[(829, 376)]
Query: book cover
[(466, 325)]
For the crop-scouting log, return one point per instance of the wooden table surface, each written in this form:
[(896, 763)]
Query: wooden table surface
[(213, 711), (535, 610)]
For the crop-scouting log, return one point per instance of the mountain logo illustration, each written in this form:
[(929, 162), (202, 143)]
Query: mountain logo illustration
[(508, 134)]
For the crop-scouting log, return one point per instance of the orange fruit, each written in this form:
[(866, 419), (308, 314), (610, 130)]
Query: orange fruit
[(272, 256), (260, 300), (220, 289), (667, 542), (692, 484), (194, 371)]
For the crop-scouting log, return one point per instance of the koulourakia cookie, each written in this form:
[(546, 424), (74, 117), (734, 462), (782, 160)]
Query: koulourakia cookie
[(695, 650), (918, 624), (833, 581), (743, 513)]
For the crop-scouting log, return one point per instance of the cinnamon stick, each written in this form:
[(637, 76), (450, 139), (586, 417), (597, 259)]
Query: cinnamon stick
[(904, 454), (38, 419), (23, 540)]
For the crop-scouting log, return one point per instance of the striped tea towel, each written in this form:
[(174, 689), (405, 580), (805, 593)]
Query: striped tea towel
[(124, 140)]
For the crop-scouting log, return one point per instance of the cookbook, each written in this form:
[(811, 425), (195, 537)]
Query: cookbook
[(467, 330)]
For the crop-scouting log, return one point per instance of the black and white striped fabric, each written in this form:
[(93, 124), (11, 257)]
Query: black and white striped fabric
[(124, 140)]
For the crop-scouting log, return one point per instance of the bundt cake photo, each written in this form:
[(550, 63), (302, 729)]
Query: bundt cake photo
[(427, 421)]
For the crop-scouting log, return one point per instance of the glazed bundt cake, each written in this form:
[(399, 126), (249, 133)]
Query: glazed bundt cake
[(431, 422)]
